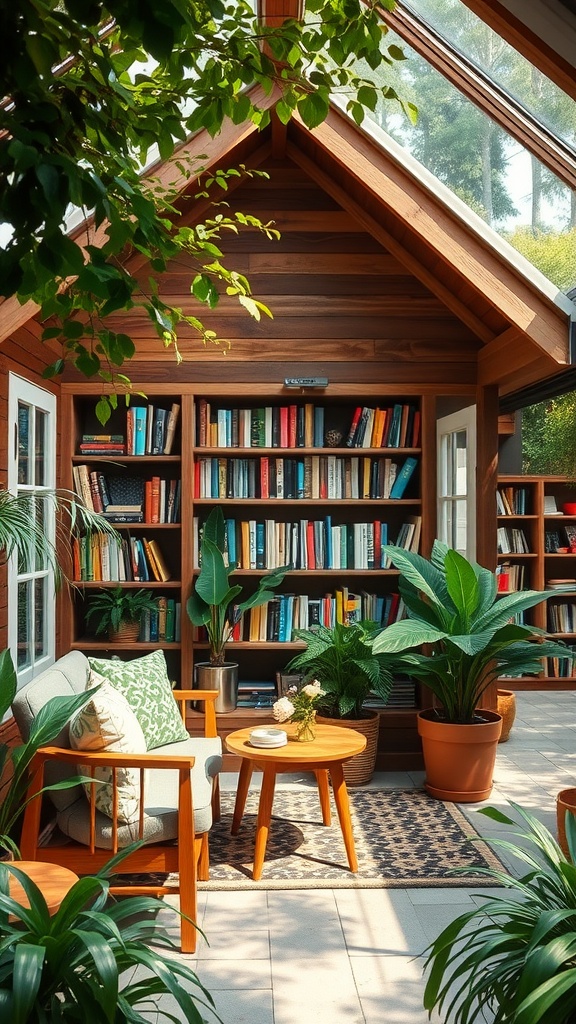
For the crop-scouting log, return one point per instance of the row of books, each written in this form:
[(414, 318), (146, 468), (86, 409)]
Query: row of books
[(128, 499), (256, 693), (511, 540), (150, 430), (509, 578), (312, 477), (310, 544), (162, 623), (275, 621), (304, 426), (561, 668), (562, 617), (100, 557), (512, 501), (396, 426)]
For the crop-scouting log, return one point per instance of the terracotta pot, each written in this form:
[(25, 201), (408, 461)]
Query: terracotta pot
[(459, 759), (506, 707), (565, 801), (127, 632), (360, 768)]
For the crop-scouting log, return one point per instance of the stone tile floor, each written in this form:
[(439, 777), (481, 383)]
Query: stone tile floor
[(352, 956)]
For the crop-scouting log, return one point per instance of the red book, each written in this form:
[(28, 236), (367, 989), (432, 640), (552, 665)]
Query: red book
[(264, 477), (404, 440), (393, 608), (283, 426), (197, 478), (416, 430), (353, 427), (292, 425), (310, 546), (323, 476), (377, 544)]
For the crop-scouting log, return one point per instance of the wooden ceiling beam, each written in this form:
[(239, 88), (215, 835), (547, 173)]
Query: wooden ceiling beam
[(427, 229)]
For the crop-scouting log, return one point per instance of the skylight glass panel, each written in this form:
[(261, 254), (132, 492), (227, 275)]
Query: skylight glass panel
[(501, 63), (483, 165)]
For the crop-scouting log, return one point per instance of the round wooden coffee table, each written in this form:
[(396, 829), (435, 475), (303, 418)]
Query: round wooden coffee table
[(53, 881), (324, 756)]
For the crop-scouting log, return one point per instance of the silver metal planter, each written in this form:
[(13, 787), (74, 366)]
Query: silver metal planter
[(219, 677)]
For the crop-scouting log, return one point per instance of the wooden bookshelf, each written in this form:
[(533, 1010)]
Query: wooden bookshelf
[(534, 505), (261, 659)]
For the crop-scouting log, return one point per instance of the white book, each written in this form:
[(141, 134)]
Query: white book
[(268, 426), (149, 423)]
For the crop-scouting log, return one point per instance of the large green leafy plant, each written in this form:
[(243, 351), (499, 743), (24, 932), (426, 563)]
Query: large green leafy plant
[(114, 605), (213, 603), (78, 966), (453, 606), (512, 959), (343, 661)]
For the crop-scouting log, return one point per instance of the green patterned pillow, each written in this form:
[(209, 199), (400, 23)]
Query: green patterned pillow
[(145, 684)]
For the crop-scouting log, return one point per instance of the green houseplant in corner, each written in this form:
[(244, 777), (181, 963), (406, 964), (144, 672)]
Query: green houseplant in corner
[(343, 660), (118, 611), (213, 605), (511, 959), (453, 607), (93, 961)]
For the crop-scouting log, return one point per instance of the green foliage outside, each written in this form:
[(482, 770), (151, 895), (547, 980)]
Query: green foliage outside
[(549, 437), (92, 87)]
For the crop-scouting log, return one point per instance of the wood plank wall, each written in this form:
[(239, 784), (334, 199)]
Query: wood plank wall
[(340, 302)]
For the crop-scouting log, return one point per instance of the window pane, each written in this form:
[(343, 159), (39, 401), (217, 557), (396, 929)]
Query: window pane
[(500, 62), (40, 448), (24, 467), (24, 624), (40, 594)]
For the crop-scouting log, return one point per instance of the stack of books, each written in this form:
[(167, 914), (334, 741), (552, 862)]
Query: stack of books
[(255, 693)]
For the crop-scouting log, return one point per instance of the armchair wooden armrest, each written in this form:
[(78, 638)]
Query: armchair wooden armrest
[(111, 759), (209, 697)]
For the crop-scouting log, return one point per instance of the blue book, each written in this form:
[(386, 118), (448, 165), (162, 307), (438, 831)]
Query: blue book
[(140, 413), (384, 562), (329, 557), (231, 540), (319, 426), (402, 478), (289, 616), (282, 620), (260, 546), (300, 478), (214, 478), (344, 546), (394, 432)]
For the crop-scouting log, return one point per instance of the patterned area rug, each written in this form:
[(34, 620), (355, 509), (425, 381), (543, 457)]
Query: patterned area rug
[(403, 838)]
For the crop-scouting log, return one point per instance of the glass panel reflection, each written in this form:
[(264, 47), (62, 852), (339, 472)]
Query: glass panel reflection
[(24, 466), (40, 593), (41, 426), (25, 598)]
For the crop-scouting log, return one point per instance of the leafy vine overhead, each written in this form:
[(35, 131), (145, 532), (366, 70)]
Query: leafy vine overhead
[(91, 88)]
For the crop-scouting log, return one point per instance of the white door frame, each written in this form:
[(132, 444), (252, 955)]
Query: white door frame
[(452, 487)]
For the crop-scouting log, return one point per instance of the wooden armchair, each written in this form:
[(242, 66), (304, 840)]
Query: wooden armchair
[(179, 799)]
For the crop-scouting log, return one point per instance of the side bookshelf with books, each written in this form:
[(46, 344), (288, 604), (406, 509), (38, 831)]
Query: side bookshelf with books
[(130, 470), (542, 510)]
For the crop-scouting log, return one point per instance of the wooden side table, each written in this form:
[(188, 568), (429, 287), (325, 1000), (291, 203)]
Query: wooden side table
[(324, 756), (53, 881)]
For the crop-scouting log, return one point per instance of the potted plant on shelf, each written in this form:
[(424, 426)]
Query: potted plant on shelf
[(453, 607), (512, 959), (213, 605), (94, 960), (118, 612), (342, 659)]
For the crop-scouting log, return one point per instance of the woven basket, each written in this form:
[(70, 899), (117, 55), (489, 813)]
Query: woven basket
[(128, 632), (506, 707), (565, 801), (360, 768)]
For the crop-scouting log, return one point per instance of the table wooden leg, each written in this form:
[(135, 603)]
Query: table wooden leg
[(241, 794), (324, 794), (343, 808), (264, 815)]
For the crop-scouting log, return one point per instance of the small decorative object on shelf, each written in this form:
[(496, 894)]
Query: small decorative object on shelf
[(299, 706), (333, 438)]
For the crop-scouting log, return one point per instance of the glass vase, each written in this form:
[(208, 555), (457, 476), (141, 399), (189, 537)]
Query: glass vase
[(305, 729)]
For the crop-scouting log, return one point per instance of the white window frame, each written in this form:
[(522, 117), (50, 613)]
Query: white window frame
[(22, 391), (446, 428)]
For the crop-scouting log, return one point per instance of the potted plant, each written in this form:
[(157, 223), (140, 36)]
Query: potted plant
[(512, 959), (118, 611), (343, 660), (94, 959), (213, 605), (453, 607)]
